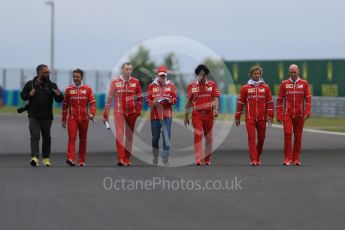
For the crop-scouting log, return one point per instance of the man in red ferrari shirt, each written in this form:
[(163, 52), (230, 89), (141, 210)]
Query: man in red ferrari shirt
[(76, 101), (202, 96), (256, 97), (126, 92), (293, 108), (161, 95)]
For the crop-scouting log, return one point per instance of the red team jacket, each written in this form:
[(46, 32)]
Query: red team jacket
[(157, 91), (258, 101), (76, 102), (296, 98), (202, 94), (127, 96)]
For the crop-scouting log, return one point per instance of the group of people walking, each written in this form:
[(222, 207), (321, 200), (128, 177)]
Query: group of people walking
[(292, 109), (126, 97)]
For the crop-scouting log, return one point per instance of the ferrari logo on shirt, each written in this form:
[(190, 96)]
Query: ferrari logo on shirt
[(119, 84), (156, 89), (289, 86), (82, 91), (300, 87), (133, 85), (251, 90), (195, 90), (167, 89), (261, 90), (209, 89)]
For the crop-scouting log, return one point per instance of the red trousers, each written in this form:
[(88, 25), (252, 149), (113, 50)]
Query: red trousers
[(73, 127), (295, 126), (255, 149), (124, 126), (203, 125)]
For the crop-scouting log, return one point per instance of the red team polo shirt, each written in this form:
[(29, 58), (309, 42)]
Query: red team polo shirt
[(127, 96), (201, 95), (76, 101), (159, 91)]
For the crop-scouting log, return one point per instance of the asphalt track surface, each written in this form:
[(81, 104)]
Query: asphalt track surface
[(268, 197)]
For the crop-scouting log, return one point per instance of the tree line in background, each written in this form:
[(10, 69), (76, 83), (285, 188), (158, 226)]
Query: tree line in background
[(144, 69)]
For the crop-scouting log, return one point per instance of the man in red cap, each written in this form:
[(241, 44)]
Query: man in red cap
[(294, 94), (161, 95), (77, 98), (256, 97), (202, 96), (126, 92)]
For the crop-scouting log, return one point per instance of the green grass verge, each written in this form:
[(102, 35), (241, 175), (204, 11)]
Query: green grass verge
[(326, 123), (320, 123)]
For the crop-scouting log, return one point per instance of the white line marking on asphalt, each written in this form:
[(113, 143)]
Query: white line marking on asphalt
[(314, 131)]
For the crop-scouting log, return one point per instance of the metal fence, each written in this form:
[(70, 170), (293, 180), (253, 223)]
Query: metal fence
[(328, 106), (14, 79)]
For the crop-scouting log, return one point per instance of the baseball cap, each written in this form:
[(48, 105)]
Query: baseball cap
[(162, 70)]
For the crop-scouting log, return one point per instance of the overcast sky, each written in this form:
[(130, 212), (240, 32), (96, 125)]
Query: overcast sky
[(95, 34)]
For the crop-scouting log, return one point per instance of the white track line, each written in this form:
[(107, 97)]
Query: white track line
[(315, 131)]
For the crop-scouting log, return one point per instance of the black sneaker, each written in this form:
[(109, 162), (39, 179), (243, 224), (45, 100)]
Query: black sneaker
[(70, 162), (34, 161), (166, 163)]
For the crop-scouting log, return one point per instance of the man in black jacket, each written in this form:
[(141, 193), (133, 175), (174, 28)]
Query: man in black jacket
[(40, 92)]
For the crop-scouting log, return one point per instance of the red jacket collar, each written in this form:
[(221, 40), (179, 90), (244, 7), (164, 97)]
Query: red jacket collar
[(157, 83), (296, 79), (129, 79), (198, 83)]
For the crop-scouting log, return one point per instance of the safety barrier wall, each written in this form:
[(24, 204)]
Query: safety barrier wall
[(321, 106)]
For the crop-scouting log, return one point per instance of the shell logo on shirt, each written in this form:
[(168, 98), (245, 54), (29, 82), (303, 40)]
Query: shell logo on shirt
[(289, 86), (155, 89), (195, 90), (73, 91), (252, 90), (119, 84)]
